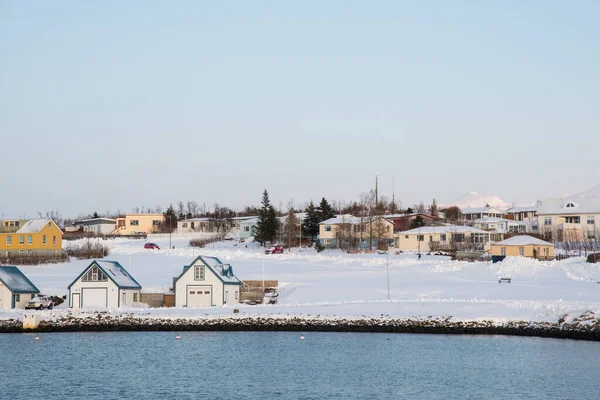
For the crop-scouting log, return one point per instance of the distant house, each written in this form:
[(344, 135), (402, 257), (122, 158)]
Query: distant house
[(570, 219), (33, 237), (482, 212), (525, 246), (526, 214), (247, 227), (15, 289), (193, 225), (445, 237), (348, 231), (131, 224), (206, 282), (103, 284), (501, 225), (402, 221), (98, 226)]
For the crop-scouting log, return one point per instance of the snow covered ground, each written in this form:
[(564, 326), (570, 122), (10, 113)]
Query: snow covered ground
[(336, 284)]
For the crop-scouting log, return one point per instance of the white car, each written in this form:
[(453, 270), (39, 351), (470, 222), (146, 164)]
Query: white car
[(40, 302)]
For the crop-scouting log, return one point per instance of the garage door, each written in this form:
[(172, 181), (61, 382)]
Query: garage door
[(94, 297), (199, 296)]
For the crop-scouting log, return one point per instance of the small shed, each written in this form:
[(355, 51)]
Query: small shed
[(207, 282), (15, 289), (524, 246), (104, 284)]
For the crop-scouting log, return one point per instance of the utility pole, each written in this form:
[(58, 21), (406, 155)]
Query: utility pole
[(376, 190), (393, 193)]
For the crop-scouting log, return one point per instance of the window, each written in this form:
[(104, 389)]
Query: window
[(591, 235), (29, 239), (21, 239), (442, 237), (430, 238), (521, 251), (327, 228), (572, 220), (570, 205), (406, 237), (53, 239), (17, 297), (94, 274), (458, 237), (44, 239), (21, 252), (8, 240), (546, 252), (49, 224), (503, 251), (135, 297), (420, 238), (591, 220), (157, 222), (206, 292), (236, 294), (134, 222), (326, 241), (199, 273), (246, 229), (184, 225), (192, 292)]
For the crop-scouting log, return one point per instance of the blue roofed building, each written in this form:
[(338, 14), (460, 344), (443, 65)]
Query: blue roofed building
[(104, 284), (15, 289), (207, 282)]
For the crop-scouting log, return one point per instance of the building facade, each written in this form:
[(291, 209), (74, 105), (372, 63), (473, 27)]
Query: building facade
[(33, 237), (97, 226), (131, 224), (570, 220), (349, 232), (445, 237), (523, 246), (15, 289)]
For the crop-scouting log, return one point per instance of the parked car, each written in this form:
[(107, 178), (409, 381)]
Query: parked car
[(151, 246), (276, 249), (40, 302)]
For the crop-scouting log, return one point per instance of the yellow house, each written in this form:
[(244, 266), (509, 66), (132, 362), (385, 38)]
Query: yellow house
[(36, 236), (524, 246), (132, 224), (346, 231)]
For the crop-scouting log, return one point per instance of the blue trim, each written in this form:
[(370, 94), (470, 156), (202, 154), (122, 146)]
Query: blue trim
[(201, 258), (6, 268), (139, 287)]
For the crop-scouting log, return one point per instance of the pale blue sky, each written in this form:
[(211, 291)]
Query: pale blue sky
[(111, 104)]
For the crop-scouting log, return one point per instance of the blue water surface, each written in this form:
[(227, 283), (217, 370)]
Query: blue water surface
[(278, 365)]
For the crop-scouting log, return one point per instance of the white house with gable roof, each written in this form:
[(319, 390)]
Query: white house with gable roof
[(570, 219), (104, 284), (206, 282), (15, 289)]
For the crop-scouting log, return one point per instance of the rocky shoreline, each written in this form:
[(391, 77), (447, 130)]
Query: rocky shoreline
[(585, 327)]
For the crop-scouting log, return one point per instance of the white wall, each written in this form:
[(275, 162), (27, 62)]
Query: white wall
[(210, 279), (6, 298), (113, 291)]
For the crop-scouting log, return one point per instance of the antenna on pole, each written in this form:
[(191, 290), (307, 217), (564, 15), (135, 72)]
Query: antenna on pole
[(376, 190)]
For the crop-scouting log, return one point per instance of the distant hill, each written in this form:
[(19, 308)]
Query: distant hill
[(593, 192), (474, 199)]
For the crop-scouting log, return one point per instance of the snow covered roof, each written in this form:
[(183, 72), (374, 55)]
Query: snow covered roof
[(513, 210), (395, 216), (479, 210), (251, 221), (34, 225), (16, 281), (223, 271), (523, 240), (115, 273), (442, 229), (570, 206), (92, 221)]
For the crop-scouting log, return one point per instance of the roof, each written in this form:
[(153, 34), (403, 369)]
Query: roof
[(522, 209), (479, 210), (523, 240), (581, 206), (99, 220), (115, 273), (34, 225), (16, 281), (222, 271), (440, 229), (348, 219), (409, 215)]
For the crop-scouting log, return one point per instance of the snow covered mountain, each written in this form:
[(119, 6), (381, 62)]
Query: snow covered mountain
[(474, 199), (593, 192)]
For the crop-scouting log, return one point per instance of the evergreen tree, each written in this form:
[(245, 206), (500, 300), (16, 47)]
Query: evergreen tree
[(434, 209), (268, 225), (417, 222), (310, 226), (319, 246), (325, 210), (95, 215), (409, 210), (170, 223)]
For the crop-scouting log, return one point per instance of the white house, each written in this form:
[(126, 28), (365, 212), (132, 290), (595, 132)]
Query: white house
[(99, 226), (104, 284), (570, 219), (431, 238), (206, 282), (482, 212), (247, 227), (15, 289), (501, 225)]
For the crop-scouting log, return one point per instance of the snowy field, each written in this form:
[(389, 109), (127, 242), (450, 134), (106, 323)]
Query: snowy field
[(336, 284)]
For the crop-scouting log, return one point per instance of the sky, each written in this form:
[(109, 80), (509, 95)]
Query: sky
[(112, 105)]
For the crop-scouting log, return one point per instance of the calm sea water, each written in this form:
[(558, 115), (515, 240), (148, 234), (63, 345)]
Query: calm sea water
[(272, 365)]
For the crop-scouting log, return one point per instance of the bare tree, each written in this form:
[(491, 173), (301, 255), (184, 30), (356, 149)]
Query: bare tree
[(291, 227), (192, 208)]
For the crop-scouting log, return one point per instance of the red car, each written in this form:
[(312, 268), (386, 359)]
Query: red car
[(151, 246), (276, 249)]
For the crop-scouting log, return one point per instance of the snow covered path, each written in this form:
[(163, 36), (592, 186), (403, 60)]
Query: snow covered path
[(334, 283)]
